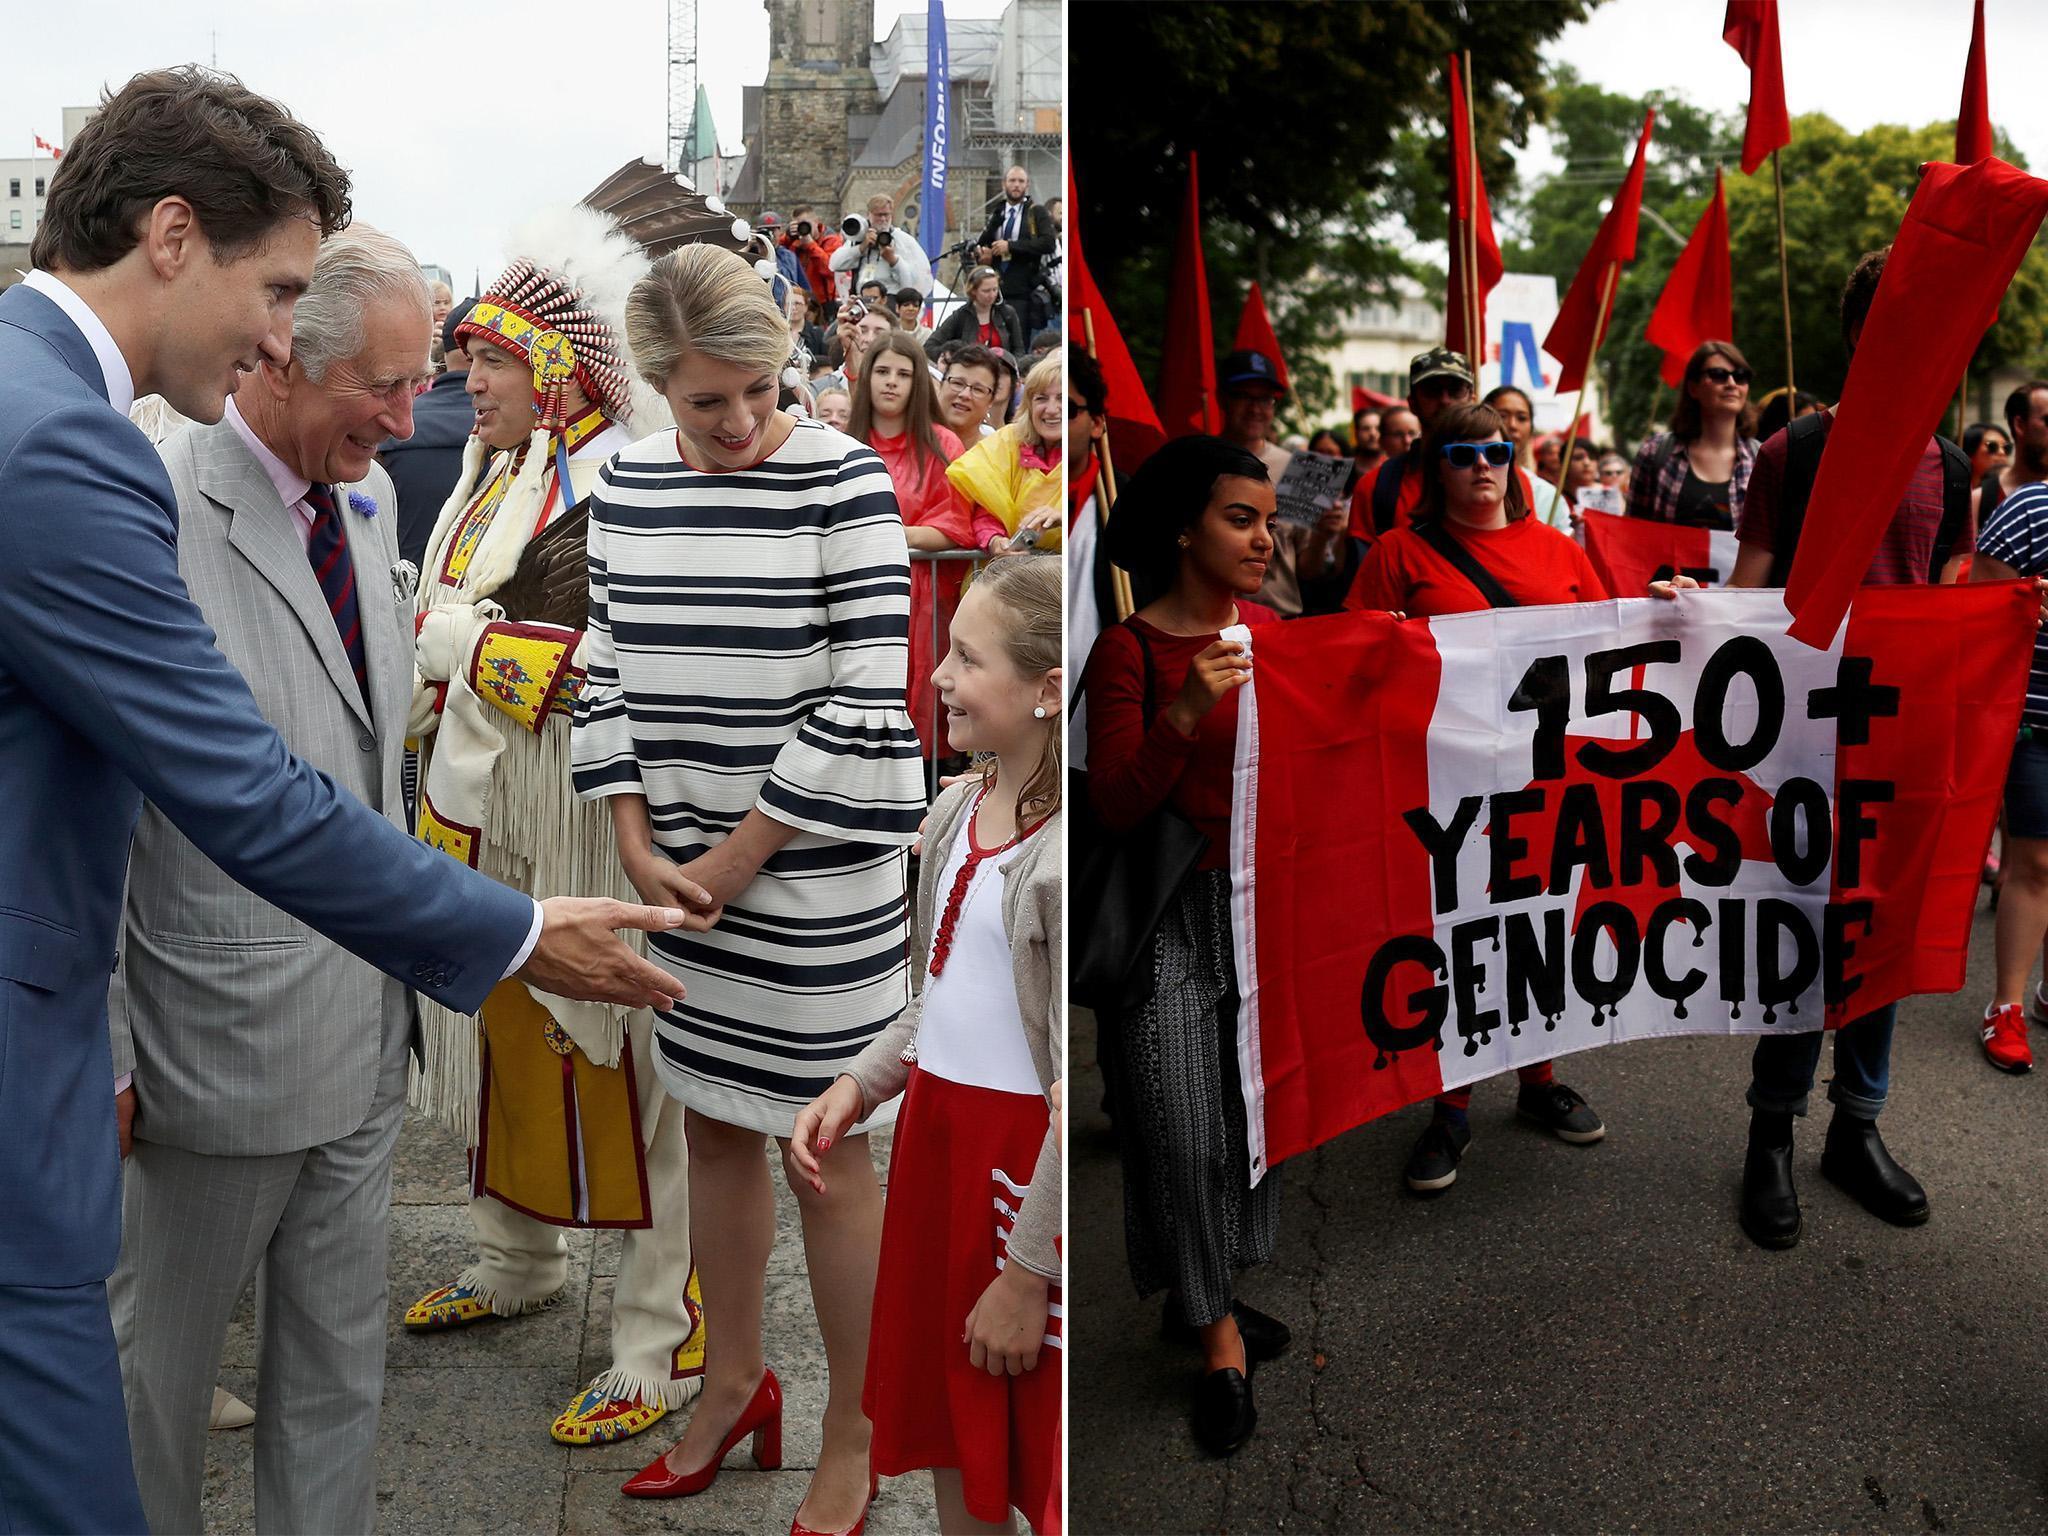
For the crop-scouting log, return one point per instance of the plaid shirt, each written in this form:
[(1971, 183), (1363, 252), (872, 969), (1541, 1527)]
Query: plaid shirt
[(1656, 495)]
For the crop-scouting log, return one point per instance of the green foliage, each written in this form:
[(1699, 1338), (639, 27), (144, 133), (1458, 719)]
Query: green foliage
[(1316, 125), (1845, 194)]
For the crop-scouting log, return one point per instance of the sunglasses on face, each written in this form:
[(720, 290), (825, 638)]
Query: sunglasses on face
[(1077, 407), (1725, 375), (1465, 455)]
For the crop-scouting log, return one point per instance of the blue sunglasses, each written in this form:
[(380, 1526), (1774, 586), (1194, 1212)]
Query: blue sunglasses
[(1465, 455)]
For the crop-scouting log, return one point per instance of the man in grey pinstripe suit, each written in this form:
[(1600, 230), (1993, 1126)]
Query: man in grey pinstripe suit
[(269, 1064)]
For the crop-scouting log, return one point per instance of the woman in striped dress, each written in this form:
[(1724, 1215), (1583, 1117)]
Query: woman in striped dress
[(749, 608)]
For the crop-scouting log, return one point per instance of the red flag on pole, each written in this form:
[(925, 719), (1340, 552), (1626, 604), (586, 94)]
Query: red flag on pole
[(1581, 316), (1973, 118), (1187, 372), (1698, 303), (1961, 241), (1255, 333), (1471, 221), (1751, 29), (43, 143), (1133, 423)]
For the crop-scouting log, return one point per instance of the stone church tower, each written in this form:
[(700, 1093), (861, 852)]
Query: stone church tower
[(818, 78)]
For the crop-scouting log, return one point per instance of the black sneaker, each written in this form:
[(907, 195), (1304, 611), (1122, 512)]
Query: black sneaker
[(1433, 1165), (1560, 1110)]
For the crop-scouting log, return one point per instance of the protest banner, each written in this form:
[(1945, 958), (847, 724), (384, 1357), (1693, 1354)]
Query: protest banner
[(1311, 484), (1465, 844), (1629, 553)]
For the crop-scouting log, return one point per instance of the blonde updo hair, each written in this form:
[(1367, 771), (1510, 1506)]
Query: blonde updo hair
[(1030, 589), (706, 300)]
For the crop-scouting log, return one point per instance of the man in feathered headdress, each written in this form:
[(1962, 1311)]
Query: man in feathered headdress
[(567, 1122)]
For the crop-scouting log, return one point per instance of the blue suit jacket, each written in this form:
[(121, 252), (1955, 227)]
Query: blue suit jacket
[(425, 467), (111, 688)]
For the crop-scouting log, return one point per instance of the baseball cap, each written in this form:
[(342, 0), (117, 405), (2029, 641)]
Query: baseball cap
[(1440, 363), (768, 221), (456, 316), (1248, 368)]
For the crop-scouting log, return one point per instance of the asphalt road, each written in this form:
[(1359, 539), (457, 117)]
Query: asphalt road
[(1580, 1339)]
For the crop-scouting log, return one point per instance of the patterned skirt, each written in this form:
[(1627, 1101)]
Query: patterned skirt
[(1191, 1219)]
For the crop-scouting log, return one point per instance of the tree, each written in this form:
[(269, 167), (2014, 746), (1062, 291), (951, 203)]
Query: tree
[(1299, 111), (1845, 194)]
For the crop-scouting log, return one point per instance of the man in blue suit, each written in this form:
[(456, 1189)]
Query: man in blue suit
[(180, 229)]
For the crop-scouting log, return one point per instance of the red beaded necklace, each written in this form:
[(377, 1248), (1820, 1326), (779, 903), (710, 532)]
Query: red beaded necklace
[(956, 898)]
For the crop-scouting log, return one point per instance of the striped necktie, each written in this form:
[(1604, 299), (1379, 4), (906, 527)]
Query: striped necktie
[(327, 549)]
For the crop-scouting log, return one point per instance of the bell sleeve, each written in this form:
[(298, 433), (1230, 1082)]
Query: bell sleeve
[(602, 760), (852, 771)]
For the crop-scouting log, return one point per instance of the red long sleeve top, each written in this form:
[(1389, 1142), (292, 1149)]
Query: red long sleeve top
[(1133, 768)]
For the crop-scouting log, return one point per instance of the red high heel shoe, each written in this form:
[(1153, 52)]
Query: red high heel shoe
[(761, 1418), (798, 1528)]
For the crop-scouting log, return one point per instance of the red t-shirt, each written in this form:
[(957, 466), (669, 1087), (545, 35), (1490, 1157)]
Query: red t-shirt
[(1533, 561), (1907, 548), (1133, 768)]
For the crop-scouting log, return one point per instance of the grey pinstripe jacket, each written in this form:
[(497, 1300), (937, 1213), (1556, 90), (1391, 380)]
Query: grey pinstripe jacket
[(248, 1033)]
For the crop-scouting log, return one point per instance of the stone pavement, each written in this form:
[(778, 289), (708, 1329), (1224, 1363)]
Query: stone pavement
[(1580, 1339), (465, 1442)]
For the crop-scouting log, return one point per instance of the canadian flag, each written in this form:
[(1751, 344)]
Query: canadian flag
[(43, 143), (1631, 552), (1465, 844)]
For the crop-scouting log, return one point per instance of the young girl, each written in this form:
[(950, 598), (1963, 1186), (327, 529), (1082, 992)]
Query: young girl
[(892, 413), (964, 1361)]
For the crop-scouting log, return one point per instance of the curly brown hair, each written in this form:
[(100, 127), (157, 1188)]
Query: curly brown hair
[(243, 162)]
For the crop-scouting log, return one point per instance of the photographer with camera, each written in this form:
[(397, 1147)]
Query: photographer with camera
[(1019, 237), (876, 251), (812, 243)]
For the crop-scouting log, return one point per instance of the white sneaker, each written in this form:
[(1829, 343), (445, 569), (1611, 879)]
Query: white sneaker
[(2037, 1008), (229, 1411)]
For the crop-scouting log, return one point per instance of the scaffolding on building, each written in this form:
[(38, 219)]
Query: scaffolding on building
[(682, 83)]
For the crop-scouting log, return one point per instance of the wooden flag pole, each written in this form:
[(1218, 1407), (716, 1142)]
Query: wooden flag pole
[(1564, 459), (1472, 304), (1784, 281), (1120, 578)]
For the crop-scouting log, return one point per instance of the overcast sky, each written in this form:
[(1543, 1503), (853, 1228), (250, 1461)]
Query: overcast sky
[(443, 112), (447, 113)]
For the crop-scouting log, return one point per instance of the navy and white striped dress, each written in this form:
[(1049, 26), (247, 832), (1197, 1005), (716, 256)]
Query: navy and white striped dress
[(747, 642)]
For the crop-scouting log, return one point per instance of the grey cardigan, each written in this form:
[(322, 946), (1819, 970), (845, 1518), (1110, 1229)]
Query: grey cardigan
[(1032, 919)]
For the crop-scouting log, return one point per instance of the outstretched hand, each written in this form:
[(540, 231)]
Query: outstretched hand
[(579, 954)]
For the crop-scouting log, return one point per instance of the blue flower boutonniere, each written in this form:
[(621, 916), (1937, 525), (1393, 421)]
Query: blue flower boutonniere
[(365, 504)]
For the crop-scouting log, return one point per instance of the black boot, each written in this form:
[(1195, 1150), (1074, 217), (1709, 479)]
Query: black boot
[(1770, 1205), (1854, 1157)]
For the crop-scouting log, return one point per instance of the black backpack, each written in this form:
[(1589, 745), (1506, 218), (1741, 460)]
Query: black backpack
[(1805, 438), (1386, 491)]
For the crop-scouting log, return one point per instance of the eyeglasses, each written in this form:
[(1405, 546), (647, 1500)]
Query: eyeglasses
[(1077, 407), (972, 390), (1465, 455), (1718, 375)]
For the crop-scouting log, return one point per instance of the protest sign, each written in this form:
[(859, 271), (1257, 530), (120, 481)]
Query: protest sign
[(1604, 499), (1465, 844), (1629, 553), (1311, 485)]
